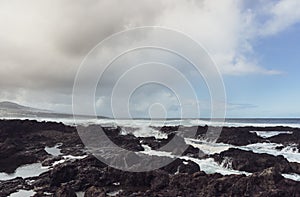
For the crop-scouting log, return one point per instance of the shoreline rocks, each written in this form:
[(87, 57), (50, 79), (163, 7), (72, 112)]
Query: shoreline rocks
[(23, 142)]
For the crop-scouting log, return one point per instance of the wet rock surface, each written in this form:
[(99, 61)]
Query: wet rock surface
[(11, 186), (244, 135), (253, 162), (23, 142), (239, 136)]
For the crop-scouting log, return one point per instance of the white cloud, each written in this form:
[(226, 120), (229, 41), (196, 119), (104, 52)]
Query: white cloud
[(226, 30), (281, 15), (43, 42)]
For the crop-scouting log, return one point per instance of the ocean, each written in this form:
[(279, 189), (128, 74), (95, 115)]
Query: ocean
[(229, 122)]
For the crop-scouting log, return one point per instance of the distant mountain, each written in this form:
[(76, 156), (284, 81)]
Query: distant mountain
[(14, 110), (10, 109), (6, 105)]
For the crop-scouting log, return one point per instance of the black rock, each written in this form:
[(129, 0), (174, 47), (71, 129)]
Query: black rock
[(65, 191), (62, 174), (253, 162)]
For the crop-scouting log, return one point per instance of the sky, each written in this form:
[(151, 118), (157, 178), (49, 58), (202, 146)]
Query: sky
[(254, 44)]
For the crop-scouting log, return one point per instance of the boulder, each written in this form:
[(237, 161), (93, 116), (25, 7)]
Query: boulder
[(252, 162), (94, 192), (62, 174), (65, 191), (238, 136)]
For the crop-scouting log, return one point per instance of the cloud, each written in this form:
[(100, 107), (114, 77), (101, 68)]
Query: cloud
[(226, 29), (238, 106), (281, 15), (43, 42), (242, 66)]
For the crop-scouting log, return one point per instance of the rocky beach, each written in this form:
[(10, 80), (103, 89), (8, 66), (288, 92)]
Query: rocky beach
[(49, 159)]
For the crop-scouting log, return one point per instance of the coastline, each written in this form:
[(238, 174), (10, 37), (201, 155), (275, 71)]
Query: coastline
[(239, 168)]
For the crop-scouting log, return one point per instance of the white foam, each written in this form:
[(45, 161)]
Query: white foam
[(72, 157), (294, 176), (145, 131), (208, 147), (23, 193), (67, 158), (209, 166), (58, 162), (35, 169), (289, 152), (149, 151), (267, 134), (227, 163)]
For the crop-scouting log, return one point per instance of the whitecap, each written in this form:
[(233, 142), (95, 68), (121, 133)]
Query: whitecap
[(149, 151), (289, 152), (144, 131), (208, 165), (267, 134), (208, 147)]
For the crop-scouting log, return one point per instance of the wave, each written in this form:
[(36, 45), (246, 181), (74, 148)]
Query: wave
[(207, 165), (208, 147), (267, 134), (291, 152)]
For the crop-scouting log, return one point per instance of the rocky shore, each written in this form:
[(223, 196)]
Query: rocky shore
[(76, 172)]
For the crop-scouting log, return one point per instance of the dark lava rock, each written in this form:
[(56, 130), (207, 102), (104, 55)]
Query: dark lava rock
[(157, 144), (104, 137), (65, 191), (10, 147), (62, 174), (253, 162), (154, 143), (13, 154), (179, 178), (287, 139), (295, 167), (193, 152), (11, 163), (160, 180), (14, 128), (50, 161), (23, 141), (94, 192), (176, 145), (181, 166), (238, 136), (168, 129), (280, 147), (12, 186), (266, 183)]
